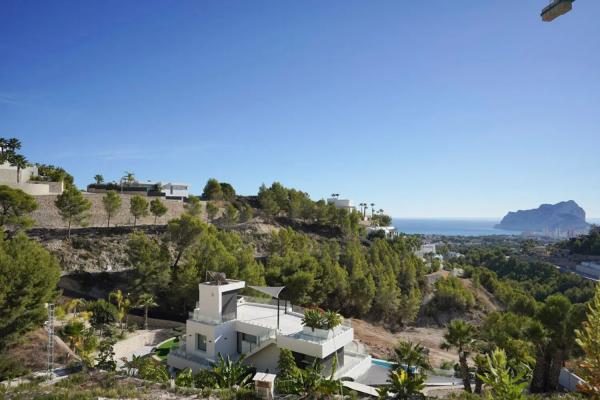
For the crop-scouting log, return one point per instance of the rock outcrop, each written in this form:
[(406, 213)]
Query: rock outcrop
[(566, 215)]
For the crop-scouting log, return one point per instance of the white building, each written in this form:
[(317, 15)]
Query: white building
[(388, 231), (227, 323), (172, 190), (168, 190), (341, 203), (425, 249), (22, 179), (589, 268)]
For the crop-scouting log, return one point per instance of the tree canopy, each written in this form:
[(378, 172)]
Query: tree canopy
[(28, 279), (15, 205), (72, 207), (212, 190), (112, 203)]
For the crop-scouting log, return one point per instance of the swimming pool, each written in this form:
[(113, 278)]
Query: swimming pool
[(388, 364)]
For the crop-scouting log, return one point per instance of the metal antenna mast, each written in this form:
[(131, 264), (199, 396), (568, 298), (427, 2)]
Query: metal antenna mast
[(50, 329)]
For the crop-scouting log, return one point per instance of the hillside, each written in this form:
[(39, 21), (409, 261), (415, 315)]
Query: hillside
[(46, 215)]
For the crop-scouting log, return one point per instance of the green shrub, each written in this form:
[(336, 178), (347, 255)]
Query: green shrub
[(318, 319), (450, 294), (10, 368), (102, 311), (447, 365)]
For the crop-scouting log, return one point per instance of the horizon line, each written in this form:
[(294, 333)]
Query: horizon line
[(474, 218)]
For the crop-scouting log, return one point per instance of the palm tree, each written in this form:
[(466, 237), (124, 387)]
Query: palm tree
[(372, 209), (99, 179), (502, 381), (20, 162), (128, 178), (554, 341), (13, 144), (228, 373), (403, 386), (3, 148), (413, 358), (123, 305), (309, 383), (461, 335), (362, 208), (74, 331), (74, 304), (146, 300)]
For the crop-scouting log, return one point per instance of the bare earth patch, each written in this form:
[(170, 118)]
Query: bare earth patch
[(381, 341)]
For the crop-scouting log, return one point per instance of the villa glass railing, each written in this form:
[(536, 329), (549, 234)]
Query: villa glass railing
[(260, 300), (196, 316), (318, 339)]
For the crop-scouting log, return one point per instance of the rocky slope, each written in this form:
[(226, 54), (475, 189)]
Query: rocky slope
[(566, 215)]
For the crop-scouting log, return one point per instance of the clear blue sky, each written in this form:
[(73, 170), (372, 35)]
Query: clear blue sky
[(427, 108)]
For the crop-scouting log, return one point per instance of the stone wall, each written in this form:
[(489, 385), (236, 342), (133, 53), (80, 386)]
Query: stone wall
[(46, 216), (34, 189)]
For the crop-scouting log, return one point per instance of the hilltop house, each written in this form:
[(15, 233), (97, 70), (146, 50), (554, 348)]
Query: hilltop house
[(168, 190), (341, 203), (28, 180), (228, 323)]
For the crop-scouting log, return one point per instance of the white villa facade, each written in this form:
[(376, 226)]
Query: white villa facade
[(21, 179), (227, 323), (168, 190), (346, 204)]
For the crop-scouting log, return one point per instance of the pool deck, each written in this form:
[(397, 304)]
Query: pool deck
[(266, 316), (378, 375)]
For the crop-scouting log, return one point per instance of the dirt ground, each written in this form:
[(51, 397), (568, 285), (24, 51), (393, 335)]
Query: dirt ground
[(31, 351), (381, 341)]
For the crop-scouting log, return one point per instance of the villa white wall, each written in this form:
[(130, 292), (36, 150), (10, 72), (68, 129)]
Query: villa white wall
[(316, 349), (8, 173), (34, 189), (175, 190), (219, 339), (209, 301), (250, 329), (266, 359), (340, 203), (226, 339), (181, 363), (210, 298)]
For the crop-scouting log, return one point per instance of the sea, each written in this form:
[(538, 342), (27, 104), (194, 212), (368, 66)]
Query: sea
[(455, 227)]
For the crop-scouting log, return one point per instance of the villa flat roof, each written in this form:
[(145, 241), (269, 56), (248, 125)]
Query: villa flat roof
[(264, 316)]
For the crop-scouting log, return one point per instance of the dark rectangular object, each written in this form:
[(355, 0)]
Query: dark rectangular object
[(556, 9)]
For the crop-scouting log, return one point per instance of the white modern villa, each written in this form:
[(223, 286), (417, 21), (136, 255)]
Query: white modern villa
[(27, 180), (345, 204), (227, 323), (168, 190)]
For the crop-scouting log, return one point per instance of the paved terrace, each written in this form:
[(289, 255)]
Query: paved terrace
[(266, 316)]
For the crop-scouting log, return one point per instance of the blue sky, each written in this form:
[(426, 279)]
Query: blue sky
[(427, 108)]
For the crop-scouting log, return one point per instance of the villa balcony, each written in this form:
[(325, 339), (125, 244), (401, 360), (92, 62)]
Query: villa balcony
[(315, 345)]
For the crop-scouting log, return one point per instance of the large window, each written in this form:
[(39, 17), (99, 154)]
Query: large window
[(200, 342), (249, 338)]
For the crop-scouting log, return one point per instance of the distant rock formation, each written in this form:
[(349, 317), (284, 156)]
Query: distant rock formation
[(566, 215)]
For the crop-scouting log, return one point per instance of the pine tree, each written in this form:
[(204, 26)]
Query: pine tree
[(158, 209), (212, 190), (72, 207), (138, 208), (112, 203), (193, 206), (28, 279)]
